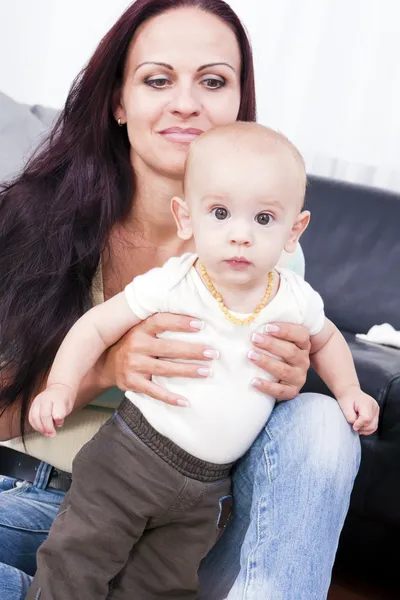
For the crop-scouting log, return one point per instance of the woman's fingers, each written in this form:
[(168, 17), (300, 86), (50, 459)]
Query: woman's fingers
[(279, 391), (289, 363), (287, 351), (146, 365), (161, 322), (279, 370), (291, 332), (145, 386), (180, 350), (132, 362)]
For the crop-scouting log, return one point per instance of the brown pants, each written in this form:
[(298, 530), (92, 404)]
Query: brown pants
[(139, 517)]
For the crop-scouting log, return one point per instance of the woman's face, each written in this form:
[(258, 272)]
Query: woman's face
[(181, 77)]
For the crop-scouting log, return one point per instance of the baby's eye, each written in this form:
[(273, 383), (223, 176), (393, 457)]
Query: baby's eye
[(264, 218), (220, 213)]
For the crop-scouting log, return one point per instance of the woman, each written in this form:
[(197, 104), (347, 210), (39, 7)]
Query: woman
[(89, 213)]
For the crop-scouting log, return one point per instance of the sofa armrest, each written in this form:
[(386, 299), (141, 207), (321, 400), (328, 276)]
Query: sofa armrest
[(376, 493)]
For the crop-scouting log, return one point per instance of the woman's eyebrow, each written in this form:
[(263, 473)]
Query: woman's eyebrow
[(171, 68), (215, 64), (152, 62)]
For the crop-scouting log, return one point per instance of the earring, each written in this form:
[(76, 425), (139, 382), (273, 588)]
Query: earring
[(119, 122)]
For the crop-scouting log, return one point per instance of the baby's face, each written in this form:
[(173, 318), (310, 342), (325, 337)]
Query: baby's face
[(243, 209)]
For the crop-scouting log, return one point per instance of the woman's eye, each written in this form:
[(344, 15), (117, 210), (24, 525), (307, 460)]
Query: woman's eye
[(220, 213), (158, 82), (264, 218), (213, 84)]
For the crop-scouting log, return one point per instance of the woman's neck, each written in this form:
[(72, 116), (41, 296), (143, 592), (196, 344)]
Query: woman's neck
[(151, 218), (147, 238)]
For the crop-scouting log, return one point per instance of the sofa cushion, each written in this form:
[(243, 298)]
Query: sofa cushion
[(352, 253), (21, 130)]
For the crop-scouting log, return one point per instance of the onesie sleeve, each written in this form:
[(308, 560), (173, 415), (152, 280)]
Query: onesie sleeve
[(150, 293), (314, 316), (310, 303)]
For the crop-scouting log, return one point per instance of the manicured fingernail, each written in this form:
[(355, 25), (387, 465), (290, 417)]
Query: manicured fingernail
[(204, 372), (272, 329), (256, 337), (254, 355), (182, 402), (256, 382), (211, 353), (197, 324)]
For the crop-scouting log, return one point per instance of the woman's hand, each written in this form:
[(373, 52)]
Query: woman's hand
[(291, 343), (132, 362)]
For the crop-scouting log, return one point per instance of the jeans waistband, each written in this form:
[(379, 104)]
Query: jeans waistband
[(186, 464)]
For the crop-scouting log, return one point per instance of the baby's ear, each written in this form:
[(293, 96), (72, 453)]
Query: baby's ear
[(182, 218), (300, 225)]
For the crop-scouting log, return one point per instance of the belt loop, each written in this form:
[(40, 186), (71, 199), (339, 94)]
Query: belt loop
[(43, 476)]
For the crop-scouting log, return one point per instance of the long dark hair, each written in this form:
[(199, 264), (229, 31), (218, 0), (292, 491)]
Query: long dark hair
[(55, 218)]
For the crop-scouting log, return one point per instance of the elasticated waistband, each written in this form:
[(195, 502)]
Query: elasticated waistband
[(168, 451)]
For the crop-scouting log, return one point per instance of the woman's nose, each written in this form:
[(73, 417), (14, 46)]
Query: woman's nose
[(185, 102)]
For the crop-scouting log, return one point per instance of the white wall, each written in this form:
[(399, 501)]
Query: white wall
[(45, 43)]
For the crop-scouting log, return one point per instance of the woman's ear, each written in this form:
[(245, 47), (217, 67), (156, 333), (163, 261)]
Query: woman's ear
[(118, 107), (182, 218), (300, 225)]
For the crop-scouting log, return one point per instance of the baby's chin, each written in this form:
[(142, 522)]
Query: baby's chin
[(227, 274)]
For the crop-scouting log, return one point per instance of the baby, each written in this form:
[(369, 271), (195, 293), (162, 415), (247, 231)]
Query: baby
[(151, 491)]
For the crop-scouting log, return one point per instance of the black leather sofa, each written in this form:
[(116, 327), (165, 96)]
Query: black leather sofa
[(352, 251)]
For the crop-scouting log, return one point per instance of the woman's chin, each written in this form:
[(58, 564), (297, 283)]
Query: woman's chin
[(175, 167)]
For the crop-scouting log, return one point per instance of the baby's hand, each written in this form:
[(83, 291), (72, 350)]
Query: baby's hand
[(50, 407), (360, 410)]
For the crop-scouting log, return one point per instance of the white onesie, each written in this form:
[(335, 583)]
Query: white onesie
[(226, 412)]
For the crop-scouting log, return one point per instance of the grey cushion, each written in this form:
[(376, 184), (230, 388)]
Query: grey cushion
[(22, 128)]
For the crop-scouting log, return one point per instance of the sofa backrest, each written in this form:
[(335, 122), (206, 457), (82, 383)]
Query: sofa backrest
[(352, 252), (22, 128)]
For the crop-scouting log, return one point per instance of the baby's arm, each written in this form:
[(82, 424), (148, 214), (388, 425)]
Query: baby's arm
[(331, 358), (90, 336)]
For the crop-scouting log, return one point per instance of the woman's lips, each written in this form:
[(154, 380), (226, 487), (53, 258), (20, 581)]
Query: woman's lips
[(180, 135)]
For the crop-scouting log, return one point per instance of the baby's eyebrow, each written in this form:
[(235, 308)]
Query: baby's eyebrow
[(275, 203), (214, 198)]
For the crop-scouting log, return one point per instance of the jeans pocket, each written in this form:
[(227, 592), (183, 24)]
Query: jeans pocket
[(225, 512), (15, 487), (7, 483)]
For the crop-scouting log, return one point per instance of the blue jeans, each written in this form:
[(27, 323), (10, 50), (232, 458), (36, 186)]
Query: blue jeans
[(291, 491)]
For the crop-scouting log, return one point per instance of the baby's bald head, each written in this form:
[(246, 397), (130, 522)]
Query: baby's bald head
[(236, 145)]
